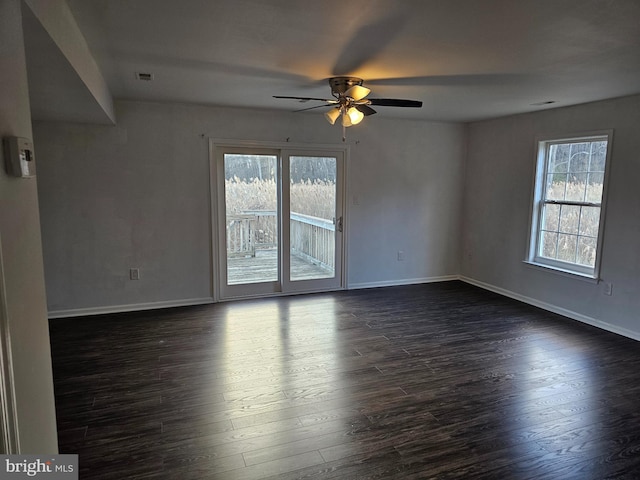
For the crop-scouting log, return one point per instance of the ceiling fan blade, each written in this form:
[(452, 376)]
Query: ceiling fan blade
[(395, 102), (305, 99), (366, 109), (317, 106)]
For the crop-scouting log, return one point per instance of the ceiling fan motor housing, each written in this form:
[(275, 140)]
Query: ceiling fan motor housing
[(339, 85)]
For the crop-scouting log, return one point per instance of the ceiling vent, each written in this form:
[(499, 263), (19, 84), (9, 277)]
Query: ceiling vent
[(147, 77)]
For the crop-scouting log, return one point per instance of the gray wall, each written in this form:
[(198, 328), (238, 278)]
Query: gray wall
[(500, 170), (137, 195), (24, 304)]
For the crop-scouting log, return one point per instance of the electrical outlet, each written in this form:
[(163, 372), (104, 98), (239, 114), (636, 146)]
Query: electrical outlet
[(134, 274), (400, 255), (608, 288)]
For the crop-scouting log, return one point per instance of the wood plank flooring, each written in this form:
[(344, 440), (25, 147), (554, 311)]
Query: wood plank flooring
[(437, 381)]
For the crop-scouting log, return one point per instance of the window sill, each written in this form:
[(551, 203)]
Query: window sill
[(561, 271)]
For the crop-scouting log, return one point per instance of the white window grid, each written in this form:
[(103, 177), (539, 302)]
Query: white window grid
[(546, 202)]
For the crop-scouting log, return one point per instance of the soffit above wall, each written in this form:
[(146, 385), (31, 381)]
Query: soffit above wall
[(65, 84)]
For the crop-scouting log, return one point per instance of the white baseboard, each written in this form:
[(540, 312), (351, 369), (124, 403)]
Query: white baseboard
[(555, 309), (81, 312), (396, 283)]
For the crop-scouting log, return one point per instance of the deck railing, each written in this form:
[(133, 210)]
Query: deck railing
[(312, 238), (249, 231)]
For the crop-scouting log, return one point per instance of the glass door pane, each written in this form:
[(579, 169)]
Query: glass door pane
[(251, 204), (312, 217)]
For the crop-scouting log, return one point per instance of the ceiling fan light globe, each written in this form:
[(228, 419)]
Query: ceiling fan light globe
[(357, 92), (346, 120), (332, 115), (355, 115)]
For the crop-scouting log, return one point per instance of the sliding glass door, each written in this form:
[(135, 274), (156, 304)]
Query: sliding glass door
[(280, 221)]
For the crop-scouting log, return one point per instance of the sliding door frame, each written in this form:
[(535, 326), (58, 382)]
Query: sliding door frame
[(323, 284), (217, 147)]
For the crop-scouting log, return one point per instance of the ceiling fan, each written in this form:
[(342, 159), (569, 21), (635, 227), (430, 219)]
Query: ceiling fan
[(350, 102)]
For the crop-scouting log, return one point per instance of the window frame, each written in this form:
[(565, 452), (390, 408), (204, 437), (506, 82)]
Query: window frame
[(543, 144)]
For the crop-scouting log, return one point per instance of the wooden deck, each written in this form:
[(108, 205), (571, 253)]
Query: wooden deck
[(264, 267)]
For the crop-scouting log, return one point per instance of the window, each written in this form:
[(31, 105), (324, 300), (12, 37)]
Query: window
[(568, 208)]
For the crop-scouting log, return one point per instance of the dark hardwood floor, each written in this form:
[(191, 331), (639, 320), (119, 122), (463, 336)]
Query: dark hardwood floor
[(430, 381)]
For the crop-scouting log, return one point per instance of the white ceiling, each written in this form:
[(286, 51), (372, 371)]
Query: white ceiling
[(465, 59)]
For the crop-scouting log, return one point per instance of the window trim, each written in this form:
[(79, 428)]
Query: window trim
[(542, 144)]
